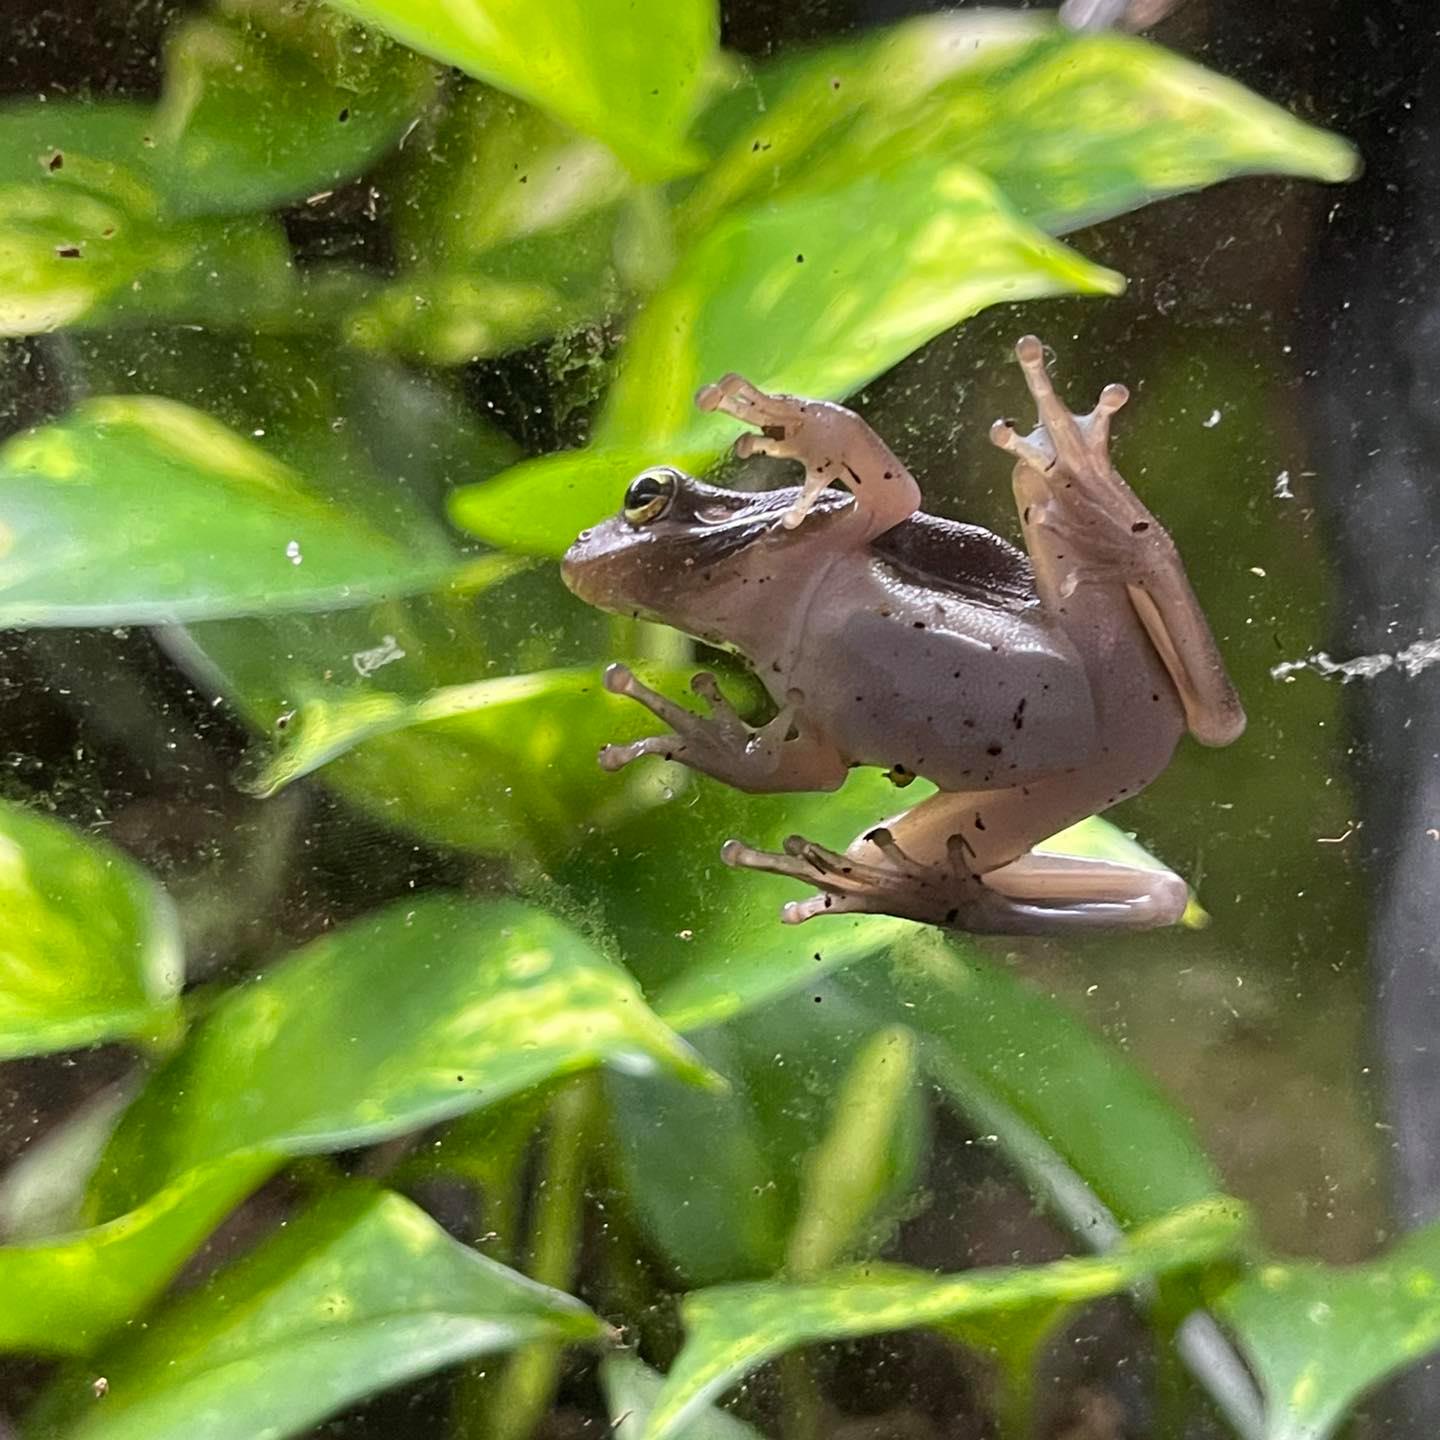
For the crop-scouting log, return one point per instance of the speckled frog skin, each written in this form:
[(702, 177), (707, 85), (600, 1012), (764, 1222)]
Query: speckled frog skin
[(1033, 688)]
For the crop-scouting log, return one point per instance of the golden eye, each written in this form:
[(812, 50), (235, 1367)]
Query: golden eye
[(649, 496)]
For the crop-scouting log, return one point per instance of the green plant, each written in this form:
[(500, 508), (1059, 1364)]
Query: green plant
[(262, 446)]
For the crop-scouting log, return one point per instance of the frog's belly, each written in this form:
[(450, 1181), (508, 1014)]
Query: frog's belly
[(973, 697)]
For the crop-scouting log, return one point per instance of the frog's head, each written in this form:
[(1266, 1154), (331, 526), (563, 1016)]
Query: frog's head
[(706, 560)]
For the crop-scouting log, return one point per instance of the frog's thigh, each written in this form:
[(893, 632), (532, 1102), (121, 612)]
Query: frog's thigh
[(1052, 894)]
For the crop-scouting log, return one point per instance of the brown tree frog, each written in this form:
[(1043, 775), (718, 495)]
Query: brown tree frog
[(1033, 691)]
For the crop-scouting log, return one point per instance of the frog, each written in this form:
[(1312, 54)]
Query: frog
[(1032, 687)]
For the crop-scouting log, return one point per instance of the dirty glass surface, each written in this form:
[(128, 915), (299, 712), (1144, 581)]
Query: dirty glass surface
[(372, 1061)]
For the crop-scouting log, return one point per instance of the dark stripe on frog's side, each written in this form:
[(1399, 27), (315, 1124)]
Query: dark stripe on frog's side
[(966, 560)]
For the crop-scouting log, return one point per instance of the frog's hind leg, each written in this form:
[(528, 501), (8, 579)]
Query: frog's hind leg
[(1049, 894), (964, 861), (1077, 509), (1038, 894)]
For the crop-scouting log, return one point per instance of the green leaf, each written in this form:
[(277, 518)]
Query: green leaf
[(89, 946), (725, 1210), (1056, 1098), (77, 215), (505, 766), (715, 1210), (514, 227), (354, 722), (84, 542), (539, 506), (418, 1012), (273, 104), (65, 1295), (1074, 128), (869, 1146), (814, 294), (83, 236), (625, 71), (709, 940), (522, 293), (631, 1389), (732, 1329), (1320, 1336), (361, 1292), (385, 445)]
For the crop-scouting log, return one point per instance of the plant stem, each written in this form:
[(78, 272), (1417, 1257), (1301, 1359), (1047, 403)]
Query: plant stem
[(801, 1397), (511, 1405), (1204, 1347)]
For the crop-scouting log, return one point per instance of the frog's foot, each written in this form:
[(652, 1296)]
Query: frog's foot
[(779, 418), (833, 444), (723, 732), (892, 885), (1078, 444), (773, 756), (1105, 529), (789, 429)]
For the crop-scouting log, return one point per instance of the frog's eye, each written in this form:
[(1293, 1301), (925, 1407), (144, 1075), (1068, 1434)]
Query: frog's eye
[(649, 496)]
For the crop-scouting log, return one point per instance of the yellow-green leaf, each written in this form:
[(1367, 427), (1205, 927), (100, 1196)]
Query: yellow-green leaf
[(853, 1167), (65, 1294), (84, 236), (504, 765), (89, 945), (135, 509), (1074, 128), (512, 227), (361, 1292), (1320, 1336), (418, 1012), (814, 294), (626, 71), (732, 1329)]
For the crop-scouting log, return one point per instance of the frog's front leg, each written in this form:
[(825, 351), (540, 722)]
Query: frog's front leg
[(782, 754), (833, 443), (1084, 525), (925, 866)]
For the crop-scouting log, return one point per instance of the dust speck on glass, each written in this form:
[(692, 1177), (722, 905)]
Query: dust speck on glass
[(384, 1052)]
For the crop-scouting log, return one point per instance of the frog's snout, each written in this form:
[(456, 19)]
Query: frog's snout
[(583, 566), (571, 566)]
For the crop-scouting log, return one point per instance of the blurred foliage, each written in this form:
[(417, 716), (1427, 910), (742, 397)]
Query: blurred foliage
[(360, 1291), (1319, 1336), (731, 1329), (71, 1291), (443, 1006), (361, 268), (89, 948)]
